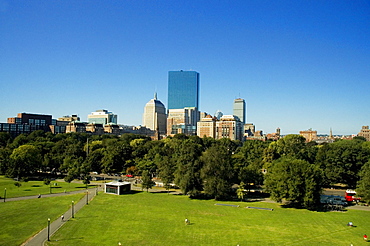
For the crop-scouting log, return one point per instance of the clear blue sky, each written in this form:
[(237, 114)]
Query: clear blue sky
[(298, 64)]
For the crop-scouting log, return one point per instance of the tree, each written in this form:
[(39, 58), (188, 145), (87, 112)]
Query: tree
[(147, 180), (217, 171), (4, 139), (48, 182), (186, 158), (18, 184), (241, 191), (363, 185), (4, 159), (115, 157), (291, 145), (341, 161), (248, 162), (25, 160), (297, 181), (166, 170)]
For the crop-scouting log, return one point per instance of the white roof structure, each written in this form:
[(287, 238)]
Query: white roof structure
[(118, 183)]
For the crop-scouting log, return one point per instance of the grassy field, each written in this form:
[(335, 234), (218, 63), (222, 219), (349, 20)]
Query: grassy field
[(158, 219), (22, 219), (33, 188)]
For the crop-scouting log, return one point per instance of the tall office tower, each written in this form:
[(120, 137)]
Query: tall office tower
[(102, 116), (154, 116), (239, 109), (183, 89), (182, 121)]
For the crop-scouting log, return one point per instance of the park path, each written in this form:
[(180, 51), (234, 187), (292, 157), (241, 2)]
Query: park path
[(40, 238)]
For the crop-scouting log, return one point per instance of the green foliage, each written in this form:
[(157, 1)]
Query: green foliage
[(18, 184), (217, 171), (147, 181), (186, 156), (295, 180), (248, 161), (341, 161), (363, 185), (117, 153), (24, 161), (241, 191), (47, 181)]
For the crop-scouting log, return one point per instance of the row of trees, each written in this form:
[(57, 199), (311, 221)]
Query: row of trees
[(295, 170)]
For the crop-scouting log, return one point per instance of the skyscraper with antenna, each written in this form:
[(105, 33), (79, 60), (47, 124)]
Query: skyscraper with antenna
[(239, 110)]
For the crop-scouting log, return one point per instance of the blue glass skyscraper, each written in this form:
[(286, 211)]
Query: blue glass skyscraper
[(183, 89)]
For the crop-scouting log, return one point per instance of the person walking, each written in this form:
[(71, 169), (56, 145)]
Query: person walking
[(62, 217), (365, 238)]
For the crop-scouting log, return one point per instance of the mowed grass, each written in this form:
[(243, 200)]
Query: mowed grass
[(20, 220), (33, 188), (158, 219)]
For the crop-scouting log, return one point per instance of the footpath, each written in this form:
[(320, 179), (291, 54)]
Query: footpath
[(40, 238)]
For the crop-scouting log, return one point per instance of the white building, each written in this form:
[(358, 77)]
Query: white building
[(154, 116), (102, 116)]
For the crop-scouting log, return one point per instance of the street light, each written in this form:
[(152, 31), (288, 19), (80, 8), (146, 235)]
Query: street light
[(4, 194), (48, 229), (87, 197), (73, 214)]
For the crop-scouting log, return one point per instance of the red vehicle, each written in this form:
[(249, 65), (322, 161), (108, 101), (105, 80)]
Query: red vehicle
[(351, 196)]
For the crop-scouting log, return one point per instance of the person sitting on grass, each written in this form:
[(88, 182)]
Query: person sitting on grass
[(350, 224), (187, 222)]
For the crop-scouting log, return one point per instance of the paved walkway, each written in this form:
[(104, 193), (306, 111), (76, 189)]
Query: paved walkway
[(42, 236)]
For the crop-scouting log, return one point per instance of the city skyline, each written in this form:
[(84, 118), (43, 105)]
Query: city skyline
[(298, 65)]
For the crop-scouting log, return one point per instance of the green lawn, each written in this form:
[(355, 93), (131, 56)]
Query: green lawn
[(158, 219), (33, 188), (22, 219)]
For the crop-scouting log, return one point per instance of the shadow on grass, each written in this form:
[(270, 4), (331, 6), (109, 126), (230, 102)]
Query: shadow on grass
[(36, 186), (162, 192), (67, 239), (84, 187)]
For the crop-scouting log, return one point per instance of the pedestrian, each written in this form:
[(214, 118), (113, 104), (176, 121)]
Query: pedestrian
[(62, 217), (187, 222), (39, 196), (365, 237)]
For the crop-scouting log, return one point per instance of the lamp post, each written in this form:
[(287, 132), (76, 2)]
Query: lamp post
[(73, 214), (4, 194), (87, 197), (48, 229)]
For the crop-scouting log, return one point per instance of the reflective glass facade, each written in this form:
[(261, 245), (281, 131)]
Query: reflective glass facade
[(183, 89)]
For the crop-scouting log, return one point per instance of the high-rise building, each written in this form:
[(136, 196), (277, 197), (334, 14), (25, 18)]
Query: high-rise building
[(207, 127), (102, 116), (182, 121), (230, 127), (239, 109), (365, 132), (183, 89), (154, 116), (309, 135)]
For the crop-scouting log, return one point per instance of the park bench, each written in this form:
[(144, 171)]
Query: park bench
[(229, 205), (269, 209)]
